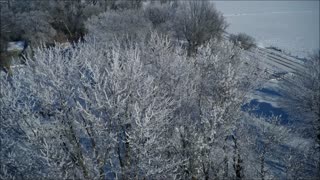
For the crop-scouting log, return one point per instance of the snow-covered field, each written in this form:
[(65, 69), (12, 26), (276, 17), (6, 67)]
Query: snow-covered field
[(290, 25)]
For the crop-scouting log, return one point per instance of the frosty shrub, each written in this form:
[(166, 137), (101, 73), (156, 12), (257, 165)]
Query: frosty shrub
[(124, 4), (6, 27), (69, 17), (23, 25), (129, 25), (37, 21), (243, 40), (161, 18), (35, 27), (157, 14)]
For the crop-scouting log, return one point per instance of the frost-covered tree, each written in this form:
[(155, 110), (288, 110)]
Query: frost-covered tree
[(302, 95), (35, 27), (112, 121), (215, 96), (197, 22), (160, 17), (125, 26), (124, 4), (270, 135), (96, 111), (6, 27)]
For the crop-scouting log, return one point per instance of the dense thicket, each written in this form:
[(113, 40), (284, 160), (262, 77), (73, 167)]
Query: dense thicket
[(151, 92), (44, 21), (132, 112)]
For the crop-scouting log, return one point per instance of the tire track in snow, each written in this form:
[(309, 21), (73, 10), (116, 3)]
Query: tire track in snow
[(276, 57), (281, 62)]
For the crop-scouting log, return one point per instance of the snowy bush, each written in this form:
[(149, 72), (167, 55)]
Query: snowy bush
[(35, 27), (158, 14), (243, 40), (126, 25)]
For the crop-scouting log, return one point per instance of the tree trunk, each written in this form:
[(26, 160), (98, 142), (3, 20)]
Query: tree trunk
[(226, 165), (262, 161), (237, 161)]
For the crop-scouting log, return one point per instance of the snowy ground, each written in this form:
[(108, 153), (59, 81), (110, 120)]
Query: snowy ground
[(266, 100), (290, 25)]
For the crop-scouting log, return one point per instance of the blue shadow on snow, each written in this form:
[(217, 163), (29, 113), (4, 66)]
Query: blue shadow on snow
[(266, 109)]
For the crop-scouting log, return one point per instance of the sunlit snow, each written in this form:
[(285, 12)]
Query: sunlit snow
[(290, 25)]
